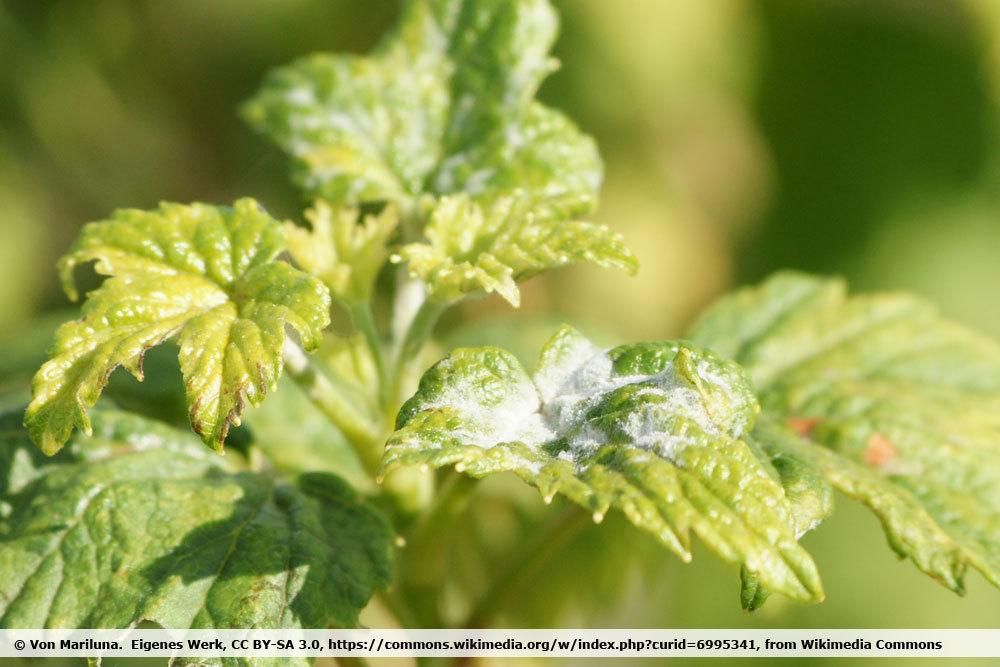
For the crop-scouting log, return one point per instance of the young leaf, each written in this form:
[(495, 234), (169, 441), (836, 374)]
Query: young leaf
[(140, 523), (445, 104), (345, 255), (653, 429), (470, 249), (203, 272), (905, 404)]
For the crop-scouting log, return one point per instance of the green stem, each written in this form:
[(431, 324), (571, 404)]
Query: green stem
[(333, 403), (417, 334), (426, 552), (364, 321), (525, 562), (451, 498)]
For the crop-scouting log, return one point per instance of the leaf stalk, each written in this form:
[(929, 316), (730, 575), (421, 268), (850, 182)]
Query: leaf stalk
[(333, 403), (525, 562)]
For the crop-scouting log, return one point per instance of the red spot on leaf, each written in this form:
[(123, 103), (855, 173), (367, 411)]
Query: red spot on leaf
[(880, 452), (803, 426)]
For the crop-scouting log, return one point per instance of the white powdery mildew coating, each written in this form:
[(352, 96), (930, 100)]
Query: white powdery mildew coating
[(574, 353), (517, 418), (301, 96), (575, 377), (585, 375), (802, 531)]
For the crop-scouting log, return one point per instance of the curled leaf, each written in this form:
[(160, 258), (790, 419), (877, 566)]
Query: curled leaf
[(342, 247), (207, 274), (654, 430)]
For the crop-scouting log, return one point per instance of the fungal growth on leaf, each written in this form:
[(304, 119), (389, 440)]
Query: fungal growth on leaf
[(434, 176), (651, 429), (445, 104)]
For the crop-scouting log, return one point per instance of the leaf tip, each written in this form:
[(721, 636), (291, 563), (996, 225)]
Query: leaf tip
[(49, 444), (65, 267)]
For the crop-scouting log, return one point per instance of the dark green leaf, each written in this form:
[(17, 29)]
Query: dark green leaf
[(139, 523)]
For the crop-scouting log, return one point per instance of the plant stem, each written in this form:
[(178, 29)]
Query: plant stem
[(424, 567), (410, 295), (332, 402), (450, 500), (364, 321), (525, 562), (417, 335)]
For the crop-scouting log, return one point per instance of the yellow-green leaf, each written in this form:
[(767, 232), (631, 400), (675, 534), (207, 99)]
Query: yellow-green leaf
[(892, 403), (207, 273), (473, 249), (341, 252)]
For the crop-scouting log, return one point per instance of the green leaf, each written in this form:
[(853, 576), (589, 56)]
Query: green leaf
[(139, 523), (470, 249), (345, 255), (652, 429), (444, 104), (890, 402), (809, 494), (753, 594), (203, 272)]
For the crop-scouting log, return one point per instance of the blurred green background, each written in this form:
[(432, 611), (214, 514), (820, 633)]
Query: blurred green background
[(837, 136)]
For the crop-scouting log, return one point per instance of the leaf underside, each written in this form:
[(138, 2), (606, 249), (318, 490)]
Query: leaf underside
[(653, 430), (141, 523), (203, 273), (889, 402)]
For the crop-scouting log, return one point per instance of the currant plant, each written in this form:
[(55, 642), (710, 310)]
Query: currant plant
[(435, 177)]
